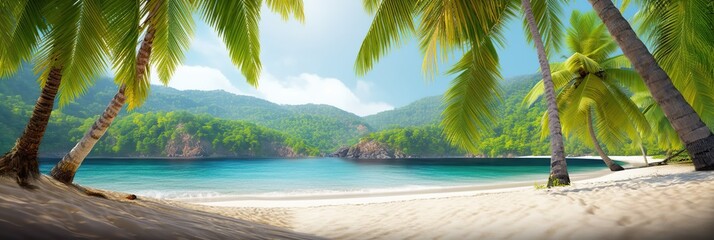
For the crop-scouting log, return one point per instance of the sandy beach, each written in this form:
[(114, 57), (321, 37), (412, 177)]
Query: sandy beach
[(55, 211), (669, 202), (663, 202)]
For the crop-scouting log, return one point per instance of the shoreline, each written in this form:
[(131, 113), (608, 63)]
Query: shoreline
[(659, 202), (58, 157), (393, 195)]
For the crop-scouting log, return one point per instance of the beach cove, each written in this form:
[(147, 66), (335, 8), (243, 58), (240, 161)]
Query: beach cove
[(661, 202)]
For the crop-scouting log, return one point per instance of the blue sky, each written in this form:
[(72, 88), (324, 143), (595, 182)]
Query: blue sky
[(313, 62)]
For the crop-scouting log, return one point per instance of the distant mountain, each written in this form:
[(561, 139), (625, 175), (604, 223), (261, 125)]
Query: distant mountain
[(309, 126), (424, 111), (324, 126), (427, 111)]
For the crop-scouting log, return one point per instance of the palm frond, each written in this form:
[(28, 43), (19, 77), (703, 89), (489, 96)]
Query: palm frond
[(625, 117), (371, 6), (579, 64), (547, 15), (616, 62), (22, 24), (392, 25), (679, 32), (587, 35), (469, 102), (174, 30), (560, 79), (76, 44), (446, 26), (624, 5), (627, 78), (237, 24), (287, 7), (124, 18), (662, 131)]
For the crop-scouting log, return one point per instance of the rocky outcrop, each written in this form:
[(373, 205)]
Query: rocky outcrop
[(368, 150), (186, 145), (283, 151)]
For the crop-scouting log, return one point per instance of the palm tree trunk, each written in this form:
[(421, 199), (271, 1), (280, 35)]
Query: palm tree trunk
[(558, 166), (644, 154), (610, 164), (65, 170), (696, 136), (22, 160)]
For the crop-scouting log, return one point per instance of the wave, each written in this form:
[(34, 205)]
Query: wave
[(174, 194)]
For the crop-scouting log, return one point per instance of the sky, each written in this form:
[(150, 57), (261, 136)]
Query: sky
[(313, 62)]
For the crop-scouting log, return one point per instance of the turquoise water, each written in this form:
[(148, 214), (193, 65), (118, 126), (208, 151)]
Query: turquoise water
[(196, 178)]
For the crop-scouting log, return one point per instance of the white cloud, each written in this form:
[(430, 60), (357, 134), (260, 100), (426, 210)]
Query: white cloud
[(209, 45), (363, 88), (198, 78), (304, 89), (311, 88)]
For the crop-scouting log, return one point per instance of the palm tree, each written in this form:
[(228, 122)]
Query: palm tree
[(662, 132), (558, 167), (590, 85), (696, 136), (169, 26), (679, 32), (64, 40), (474, 27)]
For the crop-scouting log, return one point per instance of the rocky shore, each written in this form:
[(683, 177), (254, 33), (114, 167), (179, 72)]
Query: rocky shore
[(368, 149)]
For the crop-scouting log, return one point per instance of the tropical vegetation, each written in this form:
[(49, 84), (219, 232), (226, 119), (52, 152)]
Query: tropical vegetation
[(71, 43), (696, 136), (512, 135), (426, 141), (474, 28), (593, 87), (167, 27), (674, 29), (152, 134), (65, 41)]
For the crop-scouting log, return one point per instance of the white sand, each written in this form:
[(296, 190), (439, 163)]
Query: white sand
[(664, 202), (56, 211)]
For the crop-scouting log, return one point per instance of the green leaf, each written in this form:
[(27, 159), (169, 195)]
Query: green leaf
[(174, 29), (75, 44), (448, 26), (547, 15), (471, 98), (392, 24), (237, 24), (286, 8), (21, 25)]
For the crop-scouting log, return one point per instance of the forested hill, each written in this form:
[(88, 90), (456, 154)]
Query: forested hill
[(308, 129), (425, 111), (516, 131), (323, 126)]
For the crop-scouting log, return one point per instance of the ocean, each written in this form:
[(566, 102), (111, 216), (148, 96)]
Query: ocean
[(207, 178)]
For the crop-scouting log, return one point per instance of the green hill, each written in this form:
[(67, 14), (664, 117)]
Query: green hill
[(308, 127), (516, 131), (425, 111), (324, 126)]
